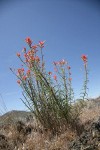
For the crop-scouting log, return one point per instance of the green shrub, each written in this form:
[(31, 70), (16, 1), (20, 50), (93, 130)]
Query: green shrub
[(49, 96)]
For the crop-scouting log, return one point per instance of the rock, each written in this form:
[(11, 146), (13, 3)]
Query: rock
[(89, 139)]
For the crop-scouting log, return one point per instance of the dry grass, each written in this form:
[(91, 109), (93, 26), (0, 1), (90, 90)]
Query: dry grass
[(91, 111), (31, 136), (36, 139), (89, 114)]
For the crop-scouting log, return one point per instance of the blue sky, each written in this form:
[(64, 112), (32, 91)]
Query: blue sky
[(70, 27)]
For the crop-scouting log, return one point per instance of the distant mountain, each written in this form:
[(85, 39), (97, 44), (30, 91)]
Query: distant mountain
[(14, 116)]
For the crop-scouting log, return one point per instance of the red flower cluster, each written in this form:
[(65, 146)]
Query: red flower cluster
[(84, 58), (22, 75), (29, 58), (28, 41), (20, 71)]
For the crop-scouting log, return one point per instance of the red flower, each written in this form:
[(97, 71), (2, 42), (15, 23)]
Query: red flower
[(41, 43), (32, 58), (18, 54), (84, 58), (28, 41), (37, 59), (28, 72), (24, 78), (50, 73), (19, 71), (18, 81), (22, 69), (26, 60), (25, 55), (55, 77), (34, 47)]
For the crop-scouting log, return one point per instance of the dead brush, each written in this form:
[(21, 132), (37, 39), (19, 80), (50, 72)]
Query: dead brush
[(38, 141), (91, 111)]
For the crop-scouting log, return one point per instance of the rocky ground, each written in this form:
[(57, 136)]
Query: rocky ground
[(89, 139), (14, 128), (19, 131)]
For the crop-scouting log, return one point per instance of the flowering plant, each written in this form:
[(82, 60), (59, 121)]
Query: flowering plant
[(49, 96)]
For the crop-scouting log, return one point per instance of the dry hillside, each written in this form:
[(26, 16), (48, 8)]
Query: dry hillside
[(20, 131)]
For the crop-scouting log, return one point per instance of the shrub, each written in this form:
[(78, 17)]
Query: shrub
[(49, 96)]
